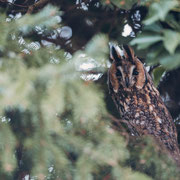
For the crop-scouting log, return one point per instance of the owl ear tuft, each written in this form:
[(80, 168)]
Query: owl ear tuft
[(115, 52), (128, 52)]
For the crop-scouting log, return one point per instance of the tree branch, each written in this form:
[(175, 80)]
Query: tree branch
[(37, 5)]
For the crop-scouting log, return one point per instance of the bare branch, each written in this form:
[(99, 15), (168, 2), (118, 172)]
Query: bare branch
[(37, 5)]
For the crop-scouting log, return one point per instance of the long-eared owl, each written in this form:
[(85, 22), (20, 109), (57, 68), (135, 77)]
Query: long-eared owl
[(138, 101)]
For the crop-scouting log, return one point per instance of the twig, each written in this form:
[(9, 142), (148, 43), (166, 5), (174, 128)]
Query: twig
[(36, 5), (4, 1), (119, 127)]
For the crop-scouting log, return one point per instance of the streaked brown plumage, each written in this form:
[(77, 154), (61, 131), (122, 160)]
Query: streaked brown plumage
[(138, 101)]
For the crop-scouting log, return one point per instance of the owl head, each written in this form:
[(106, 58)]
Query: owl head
[(126, 70)]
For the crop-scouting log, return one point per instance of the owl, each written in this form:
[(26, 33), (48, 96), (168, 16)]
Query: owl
[(138, 101)]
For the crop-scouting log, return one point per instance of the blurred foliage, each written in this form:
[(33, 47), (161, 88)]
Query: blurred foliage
[(54, 125), (119, 3), (157, 74), (157, 165), (161, 35)]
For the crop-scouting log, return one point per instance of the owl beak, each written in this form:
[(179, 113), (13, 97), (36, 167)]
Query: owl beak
[(127, 82)]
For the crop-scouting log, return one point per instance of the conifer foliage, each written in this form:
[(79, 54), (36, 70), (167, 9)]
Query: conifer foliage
[(54, 124)]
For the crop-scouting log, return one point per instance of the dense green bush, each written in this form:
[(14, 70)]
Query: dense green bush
[(55, 125)]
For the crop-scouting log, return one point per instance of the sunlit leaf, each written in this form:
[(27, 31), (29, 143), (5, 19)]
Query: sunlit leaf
[(159, 10), (155, 27), (171, 62), (171, 40), (157, 74), (145, 40)]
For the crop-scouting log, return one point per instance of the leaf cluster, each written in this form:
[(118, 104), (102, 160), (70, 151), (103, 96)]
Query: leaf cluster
[(161, 36)]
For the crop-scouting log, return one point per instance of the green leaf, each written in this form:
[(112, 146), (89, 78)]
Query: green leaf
[(173, 22), (159, 10), (171, 62), (46, 17), (157, 74), (97, 48), (155, 52), (7, 160), (145, 40), (171, 40), (156, 27), (120, 173)]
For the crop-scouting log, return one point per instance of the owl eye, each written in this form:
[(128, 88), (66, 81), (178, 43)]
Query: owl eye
[(135, 72), (118, 73)]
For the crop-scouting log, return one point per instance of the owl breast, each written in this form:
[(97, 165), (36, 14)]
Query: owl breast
[(139, 102)]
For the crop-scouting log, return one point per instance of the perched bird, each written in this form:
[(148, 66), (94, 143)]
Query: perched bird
[(138, 101)]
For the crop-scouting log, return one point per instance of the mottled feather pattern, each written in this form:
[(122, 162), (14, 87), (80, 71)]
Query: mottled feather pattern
[(138, 101)]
